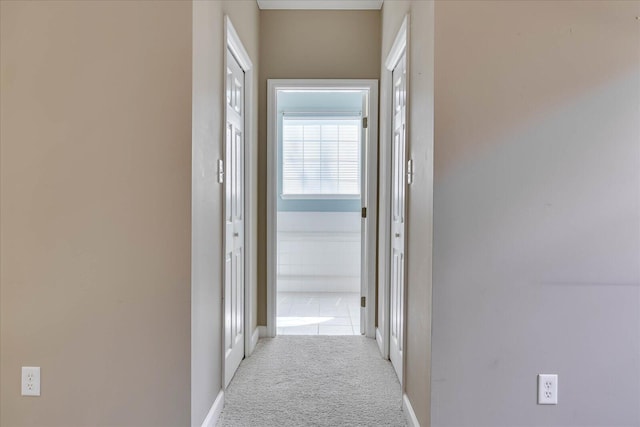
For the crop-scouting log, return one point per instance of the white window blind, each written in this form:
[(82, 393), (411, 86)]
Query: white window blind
[(321, 157)]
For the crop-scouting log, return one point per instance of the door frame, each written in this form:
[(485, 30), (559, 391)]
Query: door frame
[(400, 47), (371, 196), (233, 44)]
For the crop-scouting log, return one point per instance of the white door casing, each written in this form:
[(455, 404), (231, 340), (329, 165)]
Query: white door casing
[(369, 195), (390, 177), (398, 209), (364, 262), (234, 255)]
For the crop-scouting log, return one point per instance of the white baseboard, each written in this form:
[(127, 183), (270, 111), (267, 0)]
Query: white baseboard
[(380, 343), (214, 413), (254, 341), (262, 332), (412, 421)]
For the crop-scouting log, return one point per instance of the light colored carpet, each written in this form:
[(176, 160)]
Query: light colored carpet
[(314, 381)]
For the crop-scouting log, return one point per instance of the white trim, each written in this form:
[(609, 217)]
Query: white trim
[(380, 341), (235, 46), (369, 200), (407, 149), (254, 341), (369, 254), (298, 196), (262, 332), (412, 420), (214, 413), (271, 210), (399, 45), (321, 4), (249, 207)]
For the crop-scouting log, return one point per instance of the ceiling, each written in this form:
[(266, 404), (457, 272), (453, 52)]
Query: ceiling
[(321, 4)]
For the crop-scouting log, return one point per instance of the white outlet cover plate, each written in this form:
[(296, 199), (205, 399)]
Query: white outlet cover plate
[(547, 389), (31, 381)]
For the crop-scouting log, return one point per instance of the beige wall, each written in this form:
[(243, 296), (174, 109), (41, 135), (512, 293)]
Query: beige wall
[(95, 218), (420, 193), (537, 212), (208, 91), (308, 45)]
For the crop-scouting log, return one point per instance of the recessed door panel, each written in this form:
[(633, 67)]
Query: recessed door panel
[(398, 162), (234, 219)]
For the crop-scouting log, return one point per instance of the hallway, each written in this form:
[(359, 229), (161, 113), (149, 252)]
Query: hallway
[(314, 380), (139, 151)]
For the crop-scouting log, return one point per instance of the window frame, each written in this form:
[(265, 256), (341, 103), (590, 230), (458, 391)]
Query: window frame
[(320, 115)]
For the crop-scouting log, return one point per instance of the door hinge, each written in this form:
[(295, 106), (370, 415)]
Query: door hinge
[(363, 302), (220, 171), (365, 122), (364, 212)]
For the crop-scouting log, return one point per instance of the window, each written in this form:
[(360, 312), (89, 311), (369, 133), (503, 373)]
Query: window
[(321, 157)]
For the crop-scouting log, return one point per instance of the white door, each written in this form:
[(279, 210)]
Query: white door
[(398, 161), (234, 219)]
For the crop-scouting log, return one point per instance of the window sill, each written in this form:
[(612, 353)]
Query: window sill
[(320, 196)]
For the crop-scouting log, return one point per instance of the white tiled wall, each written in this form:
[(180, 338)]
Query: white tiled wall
[(319, 251)]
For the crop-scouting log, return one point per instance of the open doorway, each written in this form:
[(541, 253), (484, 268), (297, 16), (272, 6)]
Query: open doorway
[(322, 239), (319, 203)]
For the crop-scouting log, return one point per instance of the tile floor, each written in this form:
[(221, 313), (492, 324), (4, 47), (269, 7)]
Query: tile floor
[(318, 313)]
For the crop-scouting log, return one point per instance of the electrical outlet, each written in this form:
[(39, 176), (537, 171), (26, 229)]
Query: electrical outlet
[(30, 381), (547, 389)]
